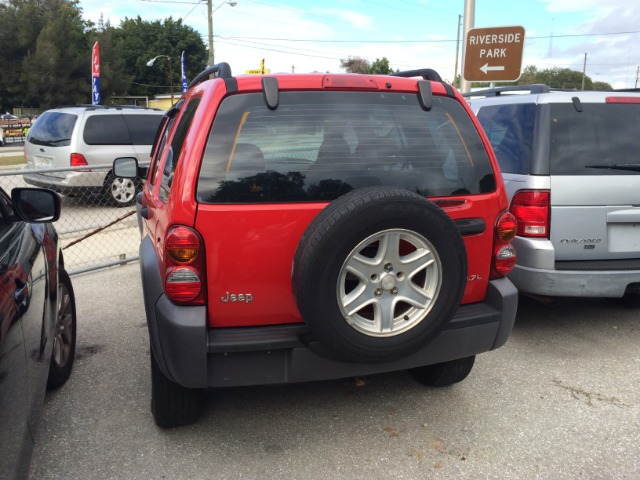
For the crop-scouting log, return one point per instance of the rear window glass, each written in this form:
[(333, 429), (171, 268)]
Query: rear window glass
[(510, 132), (594, 141), (52, 129), (317, 146)]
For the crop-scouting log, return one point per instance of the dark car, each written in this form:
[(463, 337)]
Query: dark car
[(37, 320)]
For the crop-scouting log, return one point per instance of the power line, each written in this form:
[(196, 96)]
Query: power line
[(310, 40)]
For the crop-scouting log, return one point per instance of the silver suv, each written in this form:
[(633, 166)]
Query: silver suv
[(571, 168), (84, 136)]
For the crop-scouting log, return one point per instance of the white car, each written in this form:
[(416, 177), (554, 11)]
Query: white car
[(86, 136), (570, 165)]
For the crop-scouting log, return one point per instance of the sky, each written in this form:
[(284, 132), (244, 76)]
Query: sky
[(311, 35)]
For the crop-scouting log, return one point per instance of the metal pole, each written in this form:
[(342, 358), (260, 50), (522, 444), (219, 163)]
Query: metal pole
[(584, 70), (455, 71), (210, 22), (469, 19), (170, 81), (637, 73)]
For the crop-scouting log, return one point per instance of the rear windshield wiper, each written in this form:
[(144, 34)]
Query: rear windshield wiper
[(621, 166), (48, 143)]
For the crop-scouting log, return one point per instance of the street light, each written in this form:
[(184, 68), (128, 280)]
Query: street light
[(210, 20), (150, 64)]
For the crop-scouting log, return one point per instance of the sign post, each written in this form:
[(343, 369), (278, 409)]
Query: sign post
[(493, 54)]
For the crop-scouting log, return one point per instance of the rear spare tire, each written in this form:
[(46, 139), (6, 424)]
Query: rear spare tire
[(378, 274)]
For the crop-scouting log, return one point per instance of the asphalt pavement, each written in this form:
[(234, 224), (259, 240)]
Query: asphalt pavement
[(559, 401)]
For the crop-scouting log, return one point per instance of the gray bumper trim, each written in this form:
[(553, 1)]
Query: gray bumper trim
[(195, 356)]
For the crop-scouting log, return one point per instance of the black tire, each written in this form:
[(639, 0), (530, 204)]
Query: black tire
[(444, 374), (120, 192), (173, 405), (64, 339), (628, 300), (398, 311)]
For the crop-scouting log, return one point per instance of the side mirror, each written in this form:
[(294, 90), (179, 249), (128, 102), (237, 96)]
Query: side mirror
[(125, 167), (36, 205)]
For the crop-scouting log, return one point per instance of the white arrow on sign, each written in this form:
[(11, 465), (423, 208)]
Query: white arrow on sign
[(486, 68)]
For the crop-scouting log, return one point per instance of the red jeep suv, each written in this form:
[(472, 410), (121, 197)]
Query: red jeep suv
[(300, 227)]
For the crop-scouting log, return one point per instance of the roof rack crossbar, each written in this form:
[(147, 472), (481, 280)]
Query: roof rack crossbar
[(89, 106), (223, 70), (494, 92), (426, 73)]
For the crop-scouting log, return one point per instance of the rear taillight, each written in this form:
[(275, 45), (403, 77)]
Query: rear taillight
[(504, 255), (78, 160), (531, 209), (184, 277), (349, 81)]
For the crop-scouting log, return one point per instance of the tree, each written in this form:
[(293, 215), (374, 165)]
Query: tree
[(58, 70), (113, 77), (528, 76), (381, 66), (143, 40), (603, 86), (361, 65), (355, 65), (564, 78)]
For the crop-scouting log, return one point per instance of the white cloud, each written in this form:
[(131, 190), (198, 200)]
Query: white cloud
[(354, 19)]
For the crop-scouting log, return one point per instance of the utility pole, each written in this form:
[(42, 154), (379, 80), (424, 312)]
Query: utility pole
[(210, 23), (455, 71), (637, 74), (210, 11), (584, 70), (469, 19)]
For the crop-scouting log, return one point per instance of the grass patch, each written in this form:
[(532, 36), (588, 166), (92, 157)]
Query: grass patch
[(12, 160)]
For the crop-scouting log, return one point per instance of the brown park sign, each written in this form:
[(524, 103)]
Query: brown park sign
[(493, 54)]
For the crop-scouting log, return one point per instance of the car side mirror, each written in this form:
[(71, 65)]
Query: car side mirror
[(125, 167), (36, 205)]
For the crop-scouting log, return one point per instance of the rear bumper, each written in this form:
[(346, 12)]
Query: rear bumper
[(67, 183), (193, 355), (573, 283)]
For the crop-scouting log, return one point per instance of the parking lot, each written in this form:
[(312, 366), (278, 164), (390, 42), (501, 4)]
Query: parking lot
[(560, 400)]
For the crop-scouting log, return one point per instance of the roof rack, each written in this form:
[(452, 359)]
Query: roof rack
[(89, 106), (495, 92), (223, 70), (426, 73)]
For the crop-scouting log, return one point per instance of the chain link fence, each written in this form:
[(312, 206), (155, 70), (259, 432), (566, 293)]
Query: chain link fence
[(95, 231)]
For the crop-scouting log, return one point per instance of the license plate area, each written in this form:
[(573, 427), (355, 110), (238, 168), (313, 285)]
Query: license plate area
[(623, 237), (42, 161)]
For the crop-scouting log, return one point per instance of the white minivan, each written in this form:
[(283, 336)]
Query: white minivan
[(89, 136)]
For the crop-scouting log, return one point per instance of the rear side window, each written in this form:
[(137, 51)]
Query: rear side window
[(589, 142), (106, 130), (142, 128), (510, 132), (53, 129), (317, 146), (174, 148)]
